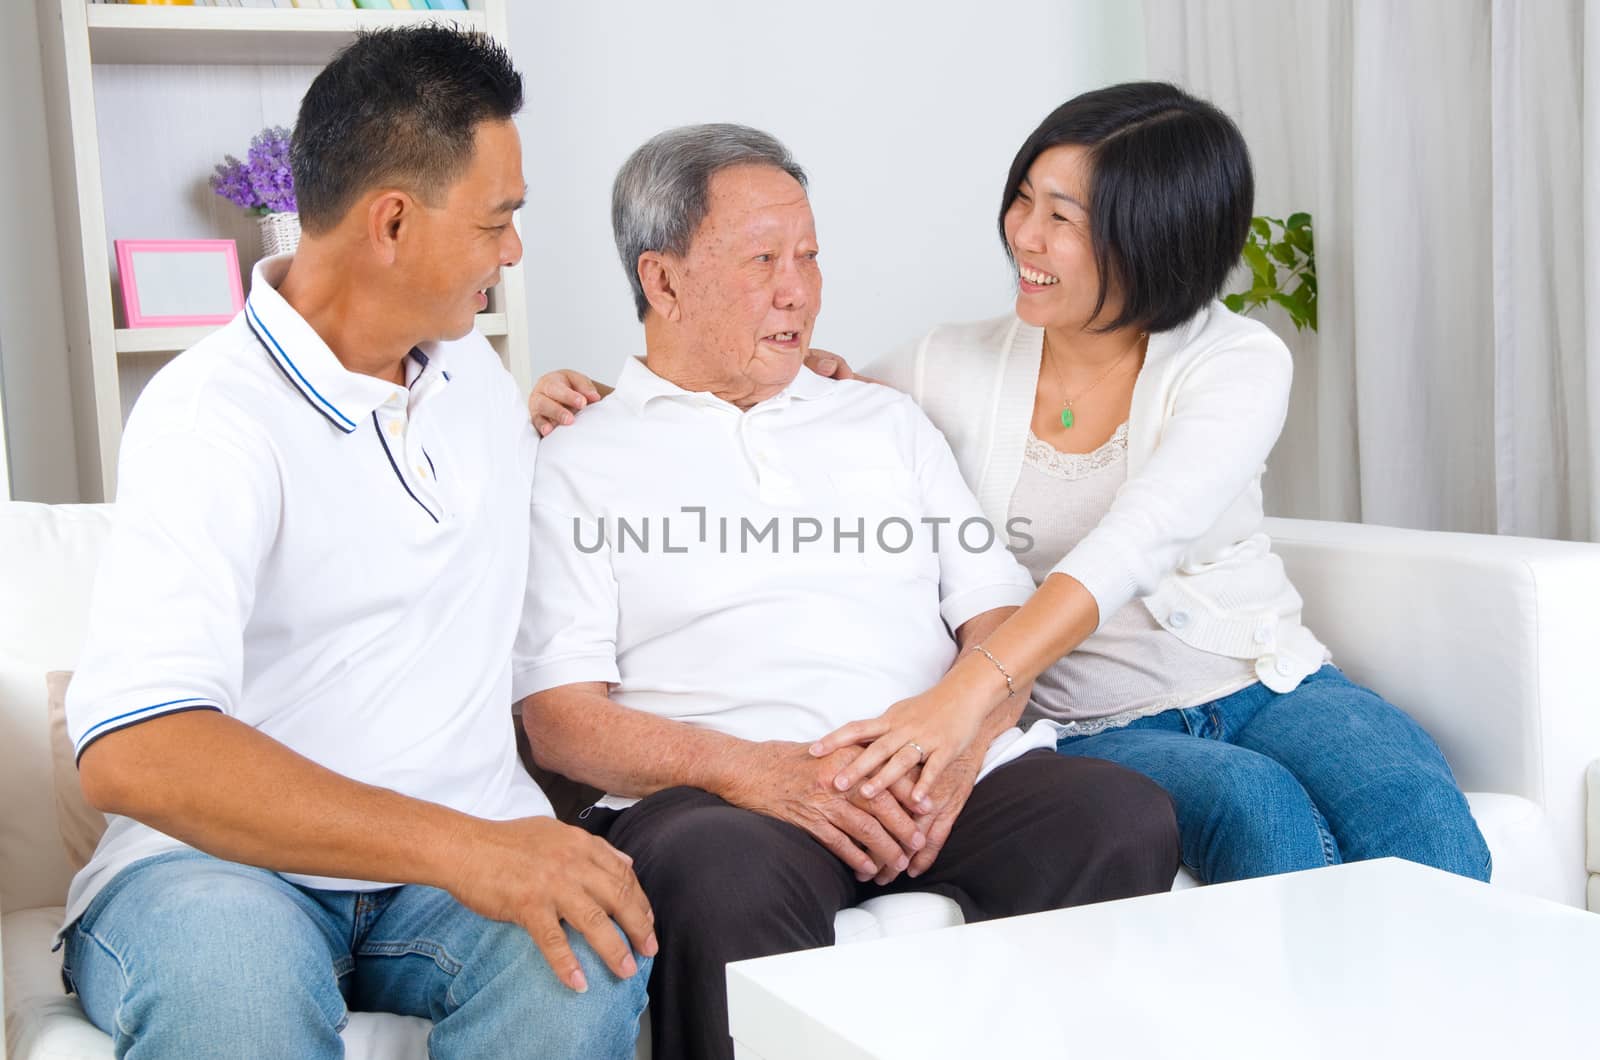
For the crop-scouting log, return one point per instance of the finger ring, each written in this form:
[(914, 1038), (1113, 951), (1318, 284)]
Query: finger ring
[(922, 755)]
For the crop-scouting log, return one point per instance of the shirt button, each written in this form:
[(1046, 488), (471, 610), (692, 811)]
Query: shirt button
[(1266, 665), (395, 427), (1284, 667), (394, 397), (1178, 619)]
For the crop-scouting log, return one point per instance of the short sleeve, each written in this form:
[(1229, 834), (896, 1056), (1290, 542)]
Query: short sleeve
[(195, 516), (568, 633)]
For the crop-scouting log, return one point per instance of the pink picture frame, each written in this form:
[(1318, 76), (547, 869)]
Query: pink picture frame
[(179, 283)]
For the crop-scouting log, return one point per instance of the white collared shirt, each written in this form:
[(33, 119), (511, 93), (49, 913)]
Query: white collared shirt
[(333, 559), (770, 574)]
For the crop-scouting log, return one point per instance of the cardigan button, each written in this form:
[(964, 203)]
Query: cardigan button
[(1178, 619)]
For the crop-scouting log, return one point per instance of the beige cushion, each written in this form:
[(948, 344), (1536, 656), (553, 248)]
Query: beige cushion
[(47, 566), (33, 863), (81, 825)]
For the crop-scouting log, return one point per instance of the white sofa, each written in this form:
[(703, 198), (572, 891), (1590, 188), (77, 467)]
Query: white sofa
[(1483, 639)]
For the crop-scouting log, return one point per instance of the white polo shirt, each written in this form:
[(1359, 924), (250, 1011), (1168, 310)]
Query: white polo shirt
[(333, 559), (771, 573)]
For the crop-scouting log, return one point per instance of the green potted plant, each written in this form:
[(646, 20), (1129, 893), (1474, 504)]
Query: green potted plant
[(1283, 269)]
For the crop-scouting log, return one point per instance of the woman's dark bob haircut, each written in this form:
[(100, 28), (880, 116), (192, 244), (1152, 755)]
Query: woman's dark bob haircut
[(1170, 196)]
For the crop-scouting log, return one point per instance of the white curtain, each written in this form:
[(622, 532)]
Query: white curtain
[(1450, 156), (5, 463)]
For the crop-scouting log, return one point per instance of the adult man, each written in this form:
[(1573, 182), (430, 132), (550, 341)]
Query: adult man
[(734, 556), (295, 689)]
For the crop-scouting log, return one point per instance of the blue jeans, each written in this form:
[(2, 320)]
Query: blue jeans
[(183, 954), (1266, 782)]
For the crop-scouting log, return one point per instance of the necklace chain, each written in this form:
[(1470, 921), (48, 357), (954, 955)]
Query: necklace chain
[(1066, 405)]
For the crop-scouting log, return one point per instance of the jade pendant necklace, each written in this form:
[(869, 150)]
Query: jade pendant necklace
[(1066, 406)]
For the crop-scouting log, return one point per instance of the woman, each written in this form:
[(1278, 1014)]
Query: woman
[(1126, 415)]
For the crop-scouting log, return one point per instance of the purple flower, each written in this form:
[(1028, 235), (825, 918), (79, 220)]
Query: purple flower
[(232, 183), (263, 182), (269, 169)]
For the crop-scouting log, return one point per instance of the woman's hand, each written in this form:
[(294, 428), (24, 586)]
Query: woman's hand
[(829, 365), (558, 396), (932, 729)]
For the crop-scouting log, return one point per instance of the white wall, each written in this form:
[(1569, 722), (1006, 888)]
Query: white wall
[(905, 114), (33, 337)]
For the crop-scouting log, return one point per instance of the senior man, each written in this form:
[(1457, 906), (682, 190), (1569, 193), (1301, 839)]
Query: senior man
[(294, 699), (733, 556)]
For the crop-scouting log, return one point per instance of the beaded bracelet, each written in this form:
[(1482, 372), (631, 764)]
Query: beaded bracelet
[(1011, 688)]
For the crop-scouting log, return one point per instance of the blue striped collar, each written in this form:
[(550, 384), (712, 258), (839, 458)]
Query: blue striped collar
[(342, 397)]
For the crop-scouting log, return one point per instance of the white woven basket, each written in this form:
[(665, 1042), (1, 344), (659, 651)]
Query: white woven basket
[(280, 233)]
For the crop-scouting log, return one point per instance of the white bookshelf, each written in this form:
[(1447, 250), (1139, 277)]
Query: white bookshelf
[(81, 42)]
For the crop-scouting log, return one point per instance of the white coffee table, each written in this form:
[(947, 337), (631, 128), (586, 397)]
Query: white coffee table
[(1375, 959)]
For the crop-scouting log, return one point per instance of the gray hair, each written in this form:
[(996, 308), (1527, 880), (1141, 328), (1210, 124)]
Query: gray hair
[(663, 190)]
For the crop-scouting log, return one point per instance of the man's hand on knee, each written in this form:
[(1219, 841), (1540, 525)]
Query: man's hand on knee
[(875, 837), (539, 873)]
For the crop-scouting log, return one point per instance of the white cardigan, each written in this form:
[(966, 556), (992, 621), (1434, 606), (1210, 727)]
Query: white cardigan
[(1184, 533)]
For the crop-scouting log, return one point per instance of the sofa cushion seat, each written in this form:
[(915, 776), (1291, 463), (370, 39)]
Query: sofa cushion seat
[(1522, 844)]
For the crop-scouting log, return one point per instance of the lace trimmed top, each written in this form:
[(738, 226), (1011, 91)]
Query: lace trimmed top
[(1042, 456)]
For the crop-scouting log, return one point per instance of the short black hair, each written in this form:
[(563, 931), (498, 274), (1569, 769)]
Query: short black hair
[(397, 106), (1170, 196)]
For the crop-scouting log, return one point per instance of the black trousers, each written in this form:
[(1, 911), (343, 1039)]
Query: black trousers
[(1042, 832)]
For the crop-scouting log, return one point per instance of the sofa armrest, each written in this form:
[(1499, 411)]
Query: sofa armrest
[(1484, 640)]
